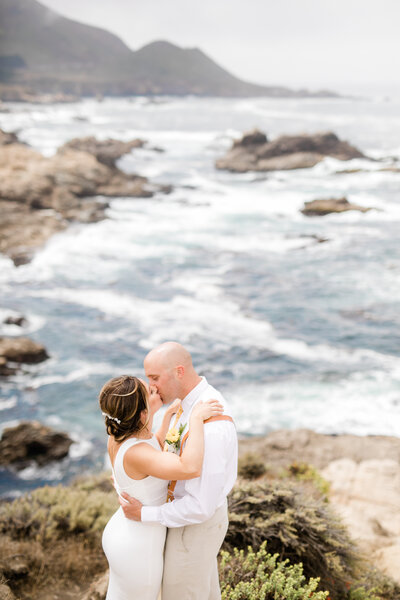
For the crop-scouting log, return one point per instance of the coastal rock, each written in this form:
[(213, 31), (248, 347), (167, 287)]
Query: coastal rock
[(364, 477), (325, 206), (106, 151), (39, 196), (32, 441), (7, 138), (5, 369), (251, 138), (22, 350), (252, 153), (367, 496), (282, 447)]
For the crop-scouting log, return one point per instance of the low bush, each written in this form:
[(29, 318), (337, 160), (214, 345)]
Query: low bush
[(305, 472), (298, 528), (251, 466), (52, 512), (261, 576)]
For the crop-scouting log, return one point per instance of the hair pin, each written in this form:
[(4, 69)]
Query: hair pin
[(112, 418)]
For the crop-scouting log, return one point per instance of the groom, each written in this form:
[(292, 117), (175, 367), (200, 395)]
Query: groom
[(197, 519)]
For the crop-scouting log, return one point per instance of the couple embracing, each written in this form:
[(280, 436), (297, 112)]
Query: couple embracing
[(172, 484)]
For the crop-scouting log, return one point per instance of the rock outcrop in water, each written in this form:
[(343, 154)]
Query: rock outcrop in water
[(326, 206), (32, 442), (19, 350), (253, 152), (39, 196), (106, 151)]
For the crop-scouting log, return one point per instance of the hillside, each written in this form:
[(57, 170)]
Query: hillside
[(48, 53)]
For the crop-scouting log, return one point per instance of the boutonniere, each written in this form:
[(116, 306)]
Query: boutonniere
[(174, 436)]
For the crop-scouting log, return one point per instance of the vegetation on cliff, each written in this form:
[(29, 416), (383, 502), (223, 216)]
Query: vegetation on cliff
[(283, 543)]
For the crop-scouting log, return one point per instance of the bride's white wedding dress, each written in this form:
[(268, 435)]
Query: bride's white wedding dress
[(134, 550)]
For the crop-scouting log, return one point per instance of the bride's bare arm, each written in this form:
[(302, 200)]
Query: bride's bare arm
[(143, 460)]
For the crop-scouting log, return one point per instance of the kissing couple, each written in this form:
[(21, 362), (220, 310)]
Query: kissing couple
[(172, 484)]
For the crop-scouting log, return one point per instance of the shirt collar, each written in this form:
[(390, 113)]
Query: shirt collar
[(193, 395)]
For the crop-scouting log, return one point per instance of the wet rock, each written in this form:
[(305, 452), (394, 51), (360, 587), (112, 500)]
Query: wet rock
[(325, 206), (251, 138), (253, 152), (22, 350), (39, 196), (32, 442), (19, 321), (105, 151), (5, 369)]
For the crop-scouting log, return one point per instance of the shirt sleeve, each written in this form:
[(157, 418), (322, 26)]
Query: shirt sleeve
[(203, 493)]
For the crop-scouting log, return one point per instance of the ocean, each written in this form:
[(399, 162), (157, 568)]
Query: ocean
[(294, 332)]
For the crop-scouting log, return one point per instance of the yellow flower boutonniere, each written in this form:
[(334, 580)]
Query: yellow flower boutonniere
[(174, 435)]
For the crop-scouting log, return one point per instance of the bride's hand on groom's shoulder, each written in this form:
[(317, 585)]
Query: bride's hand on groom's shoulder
[(205, 410), (132, 508)]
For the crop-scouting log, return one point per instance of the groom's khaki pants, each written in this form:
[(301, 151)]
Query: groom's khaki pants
[(190, 559)]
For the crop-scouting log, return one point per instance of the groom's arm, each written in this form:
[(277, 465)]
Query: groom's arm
[(203, 494)]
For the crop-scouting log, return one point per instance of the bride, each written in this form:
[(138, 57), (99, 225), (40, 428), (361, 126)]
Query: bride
[(133, 549)]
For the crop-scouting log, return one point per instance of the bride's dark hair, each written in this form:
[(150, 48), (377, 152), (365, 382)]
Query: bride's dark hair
[(122, 400)]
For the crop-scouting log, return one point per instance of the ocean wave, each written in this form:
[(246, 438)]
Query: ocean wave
[(366, 404), (9, 403)]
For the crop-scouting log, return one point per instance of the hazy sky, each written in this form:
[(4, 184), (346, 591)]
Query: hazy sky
[(313, 43)]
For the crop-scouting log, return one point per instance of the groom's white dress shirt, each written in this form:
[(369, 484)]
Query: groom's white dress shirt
[(196, 500)]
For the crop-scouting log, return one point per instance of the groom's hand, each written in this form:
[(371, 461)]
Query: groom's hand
[(132, 508)]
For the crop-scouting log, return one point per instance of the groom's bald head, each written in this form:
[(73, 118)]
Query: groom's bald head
[(170, 354), (170, 369)]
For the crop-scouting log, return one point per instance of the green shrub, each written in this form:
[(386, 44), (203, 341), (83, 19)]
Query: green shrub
[(298, 528), (261, 576), (51, 512), (305, 472), (372, 584)]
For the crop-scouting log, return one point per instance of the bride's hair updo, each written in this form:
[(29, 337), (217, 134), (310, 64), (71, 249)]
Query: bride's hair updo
[(122, 400)]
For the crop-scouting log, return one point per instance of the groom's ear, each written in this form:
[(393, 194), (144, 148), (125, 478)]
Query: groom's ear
[(180, 371)]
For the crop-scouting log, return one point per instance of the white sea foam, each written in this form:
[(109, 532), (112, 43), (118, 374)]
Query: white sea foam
[(80, 447), (200, 242), (366, 404), (83, 372), (51, 472), (6, 404)]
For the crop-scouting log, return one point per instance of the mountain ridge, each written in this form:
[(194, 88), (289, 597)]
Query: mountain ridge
[(46, 52)]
